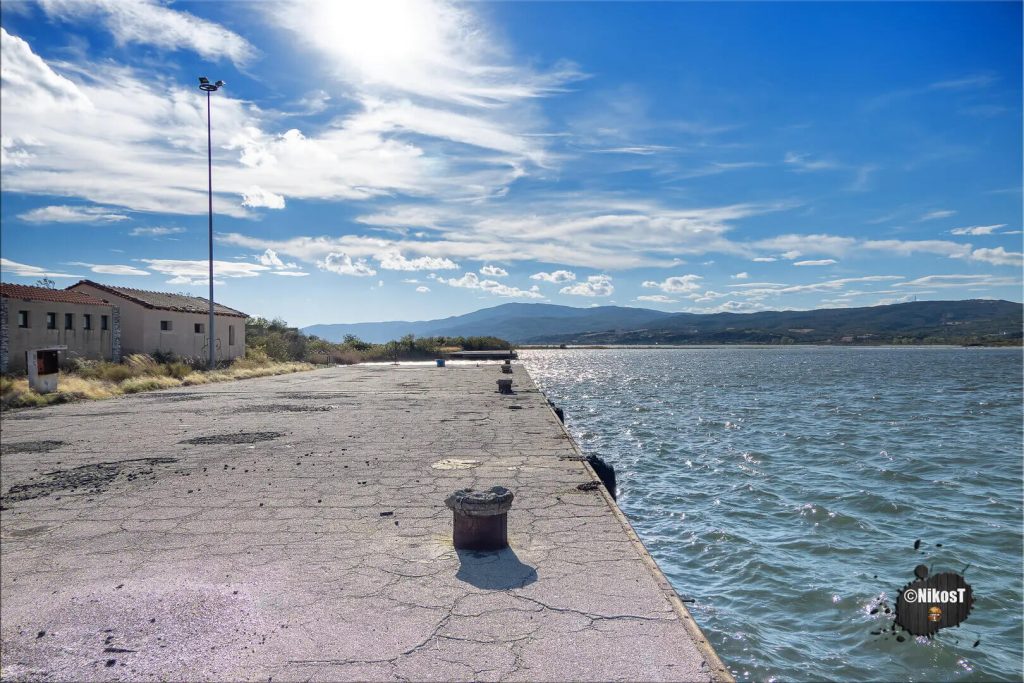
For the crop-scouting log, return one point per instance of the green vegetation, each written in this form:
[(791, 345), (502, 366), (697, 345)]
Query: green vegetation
[(282, 343), (971, 323)]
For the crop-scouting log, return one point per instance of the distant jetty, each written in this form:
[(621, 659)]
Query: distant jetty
[(499, 354)]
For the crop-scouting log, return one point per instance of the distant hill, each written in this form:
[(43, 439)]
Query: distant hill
[(514, 322), (952, 322)]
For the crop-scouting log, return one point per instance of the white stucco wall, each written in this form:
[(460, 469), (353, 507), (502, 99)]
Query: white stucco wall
[(94, 344), (141, 333)]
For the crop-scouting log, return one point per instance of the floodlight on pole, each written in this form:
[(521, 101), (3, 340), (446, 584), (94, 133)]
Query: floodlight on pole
[(207, 87)]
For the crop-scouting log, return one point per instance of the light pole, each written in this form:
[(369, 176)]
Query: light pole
[(207, 87)]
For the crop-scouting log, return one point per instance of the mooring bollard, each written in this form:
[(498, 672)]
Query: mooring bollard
[(508, 361), (481, 518), (504, 386), (506, 369)]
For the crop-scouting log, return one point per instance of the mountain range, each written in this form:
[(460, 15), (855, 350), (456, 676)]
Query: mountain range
[(969, 321)]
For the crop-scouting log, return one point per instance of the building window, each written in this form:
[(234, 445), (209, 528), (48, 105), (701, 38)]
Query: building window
[(22, 318), (104, 322), (51, 321), (165, 325), (231, 335), (86, 321), (200, 328), (69, 321)]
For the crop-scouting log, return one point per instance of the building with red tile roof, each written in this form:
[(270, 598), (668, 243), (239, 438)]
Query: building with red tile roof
[(40, 317)]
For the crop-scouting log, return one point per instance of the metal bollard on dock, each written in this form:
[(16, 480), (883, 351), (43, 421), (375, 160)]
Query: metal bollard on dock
[(481, 518)]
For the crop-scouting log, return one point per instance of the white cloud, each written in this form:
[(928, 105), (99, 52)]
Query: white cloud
[(740, 276), (709, 295), (471, 281), (270, 258), (998, 257), (935, 215), (731, 307), (141, 152), (595, 285), (819, 262), (804, 162), (764, 259), (657, 298), (73, 214), (155, 232), (25, 270), (151, 23), (557, 277), (342, 264), (760, 290), (887, 301), (430, 49), (978, 229), (256, 197), (676, 283), (493, 271), (910, 247), (948, 281), (423, 289), (396, 261), (642, 150), (111, 269), (600, 232), (197, 272), (791, 254)]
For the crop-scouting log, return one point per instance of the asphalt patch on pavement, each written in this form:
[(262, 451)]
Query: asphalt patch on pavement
[(284, 408), (29, 447), (312, 395), (157, 396), (95, 478), (232, 439)]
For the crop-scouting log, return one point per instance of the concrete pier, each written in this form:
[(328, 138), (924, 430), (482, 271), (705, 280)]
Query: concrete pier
[(295, 528)]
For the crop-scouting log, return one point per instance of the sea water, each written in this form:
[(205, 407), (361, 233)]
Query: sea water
[(783, 490)]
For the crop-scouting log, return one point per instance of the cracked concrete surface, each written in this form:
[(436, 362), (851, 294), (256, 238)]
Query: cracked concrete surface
[(129, 553)]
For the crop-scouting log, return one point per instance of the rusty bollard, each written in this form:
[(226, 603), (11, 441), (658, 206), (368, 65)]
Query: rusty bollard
[(504, 386), (481, 518), (506, 369)]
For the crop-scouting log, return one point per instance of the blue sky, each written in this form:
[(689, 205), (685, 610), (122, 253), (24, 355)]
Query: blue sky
[(416, 160)]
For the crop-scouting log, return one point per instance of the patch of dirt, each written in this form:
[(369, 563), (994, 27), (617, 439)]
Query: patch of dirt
[(29, 447), (230, 439), (95, 478), (285, 408)]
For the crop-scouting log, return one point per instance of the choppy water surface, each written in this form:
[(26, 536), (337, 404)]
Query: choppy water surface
[(783, 489)]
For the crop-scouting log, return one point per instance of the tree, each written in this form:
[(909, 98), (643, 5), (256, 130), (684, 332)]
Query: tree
[(46, 283)]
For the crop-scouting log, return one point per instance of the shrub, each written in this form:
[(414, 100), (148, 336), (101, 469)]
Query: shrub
[(178, 369), (164, 357), (254, 358), (142, 364), (137, 384)]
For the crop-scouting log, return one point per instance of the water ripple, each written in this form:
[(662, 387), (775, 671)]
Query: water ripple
[(783, 489)]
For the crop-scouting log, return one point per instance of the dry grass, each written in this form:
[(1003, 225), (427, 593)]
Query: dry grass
[(143, 374)]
